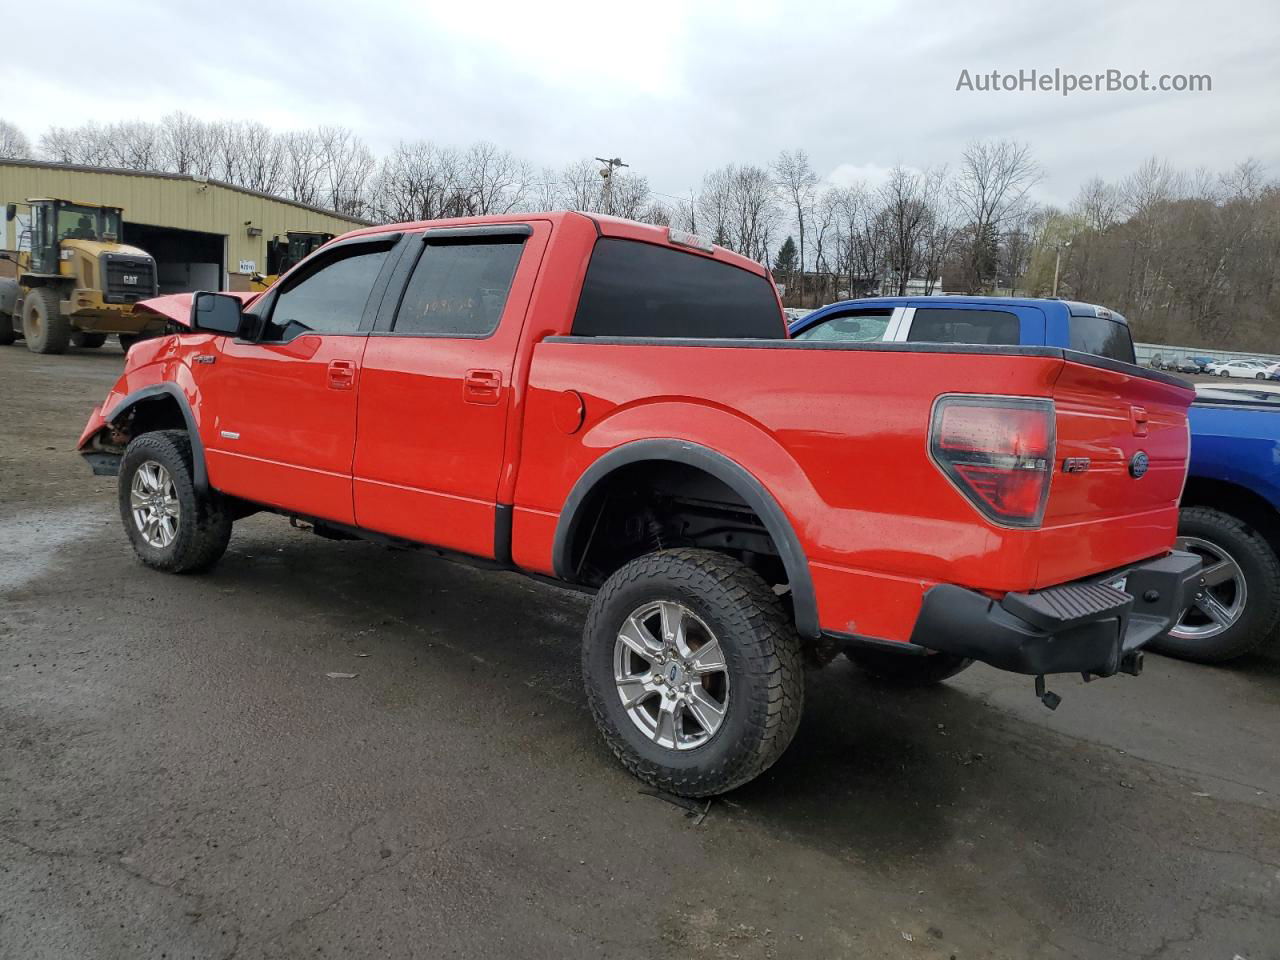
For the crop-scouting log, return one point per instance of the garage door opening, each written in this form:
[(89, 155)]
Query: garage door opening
[(185, 259)]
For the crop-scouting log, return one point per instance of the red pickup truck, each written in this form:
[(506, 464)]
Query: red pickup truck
[(617, 406)]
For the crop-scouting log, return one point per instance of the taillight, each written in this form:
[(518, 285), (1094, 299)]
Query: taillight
[(998, 451)]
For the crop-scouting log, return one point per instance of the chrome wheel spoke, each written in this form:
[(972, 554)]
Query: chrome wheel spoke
[(1214, 609), (634, 690), (1218, 573), (665, 733), (673, 627), (708, 711), (639, 640), (708, 658)]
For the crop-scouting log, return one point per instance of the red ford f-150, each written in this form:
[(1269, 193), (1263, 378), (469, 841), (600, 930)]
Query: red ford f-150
[(617, 406)]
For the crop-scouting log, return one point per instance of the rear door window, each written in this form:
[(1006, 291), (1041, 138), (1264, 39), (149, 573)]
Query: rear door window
[(1102, 337), (459, 287), (951, 325), (635, 289)]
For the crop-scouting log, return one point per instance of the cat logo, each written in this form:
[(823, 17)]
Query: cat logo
[(130, 278)]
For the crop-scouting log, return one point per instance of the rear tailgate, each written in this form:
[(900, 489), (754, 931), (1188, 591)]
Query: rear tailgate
[(1122, 448)]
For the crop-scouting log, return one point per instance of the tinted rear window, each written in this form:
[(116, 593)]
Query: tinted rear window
[(950, 325), (635, 289), (1102, 337)]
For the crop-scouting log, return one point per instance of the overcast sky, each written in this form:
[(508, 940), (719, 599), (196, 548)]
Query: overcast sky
[(677, 88)]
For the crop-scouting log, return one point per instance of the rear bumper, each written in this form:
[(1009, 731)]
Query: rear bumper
[(1096, 626)]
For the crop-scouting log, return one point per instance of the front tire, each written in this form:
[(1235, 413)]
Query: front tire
[(171, 525), (693, 671), (45, 328), (908, 669), (1239, 606)]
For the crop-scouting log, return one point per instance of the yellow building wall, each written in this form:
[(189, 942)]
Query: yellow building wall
[(177, 203)]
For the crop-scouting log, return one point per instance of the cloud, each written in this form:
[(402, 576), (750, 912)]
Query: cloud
[(676, 88)]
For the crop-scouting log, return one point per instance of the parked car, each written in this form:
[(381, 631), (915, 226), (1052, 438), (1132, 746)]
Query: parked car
[(1252, 369), (1229, 508), (617, 406)]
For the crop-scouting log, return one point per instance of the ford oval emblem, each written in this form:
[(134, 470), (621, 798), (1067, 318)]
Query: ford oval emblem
[(1138, 465)]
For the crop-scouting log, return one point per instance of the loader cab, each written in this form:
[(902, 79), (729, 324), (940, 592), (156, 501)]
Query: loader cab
[(283, 255), (53, 221)]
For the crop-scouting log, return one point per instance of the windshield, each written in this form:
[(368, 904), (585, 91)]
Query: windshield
[(87, 223)]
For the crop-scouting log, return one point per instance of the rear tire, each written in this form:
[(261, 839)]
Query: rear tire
[(1218, 536), (171, 525), (45, 328), (745, 684), (87, 341), (908, 669), (7, 333)]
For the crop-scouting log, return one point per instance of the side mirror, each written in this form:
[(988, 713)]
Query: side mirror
[(215, 312), (10, 211)]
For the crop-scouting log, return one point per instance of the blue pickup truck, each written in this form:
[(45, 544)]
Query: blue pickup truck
[(1231, 504)]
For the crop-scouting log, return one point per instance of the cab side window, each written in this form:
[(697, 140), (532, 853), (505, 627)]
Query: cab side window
[(948, 325), (459, 287), (332, 298)]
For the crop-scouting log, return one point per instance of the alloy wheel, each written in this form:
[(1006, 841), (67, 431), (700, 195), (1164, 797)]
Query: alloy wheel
[(671, 675), (1220, 602), (153, 502)]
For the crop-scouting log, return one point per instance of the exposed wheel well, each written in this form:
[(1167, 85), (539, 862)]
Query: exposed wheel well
[(159, 412), (656, 504), (1238, 501)]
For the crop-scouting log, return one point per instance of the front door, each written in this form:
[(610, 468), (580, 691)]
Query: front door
[(284, 406), (435, 388)]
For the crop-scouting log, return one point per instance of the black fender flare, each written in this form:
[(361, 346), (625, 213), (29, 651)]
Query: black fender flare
[(728, 472), (199, 475)]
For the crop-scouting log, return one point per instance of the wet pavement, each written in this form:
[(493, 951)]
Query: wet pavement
[(180, 778)]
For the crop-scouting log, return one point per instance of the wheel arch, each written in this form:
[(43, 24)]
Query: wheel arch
[(732, 474), (1238, 501), (157, 404)]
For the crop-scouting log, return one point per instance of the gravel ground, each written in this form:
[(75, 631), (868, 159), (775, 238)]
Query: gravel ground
[(179, 778)]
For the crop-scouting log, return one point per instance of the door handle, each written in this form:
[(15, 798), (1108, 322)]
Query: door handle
[(482, 386), (342, 374)]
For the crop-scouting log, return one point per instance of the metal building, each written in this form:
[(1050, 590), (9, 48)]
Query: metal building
[(204, 234)]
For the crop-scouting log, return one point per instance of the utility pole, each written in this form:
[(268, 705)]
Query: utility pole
[(606, 174), (1057, 265)]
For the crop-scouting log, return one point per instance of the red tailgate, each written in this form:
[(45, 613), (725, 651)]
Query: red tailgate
[(1121, 461)]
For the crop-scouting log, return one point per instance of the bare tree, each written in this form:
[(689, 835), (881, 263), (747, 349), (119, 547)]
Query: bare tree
[(990, 189), (912, 215), (797, 181), (14, 144)]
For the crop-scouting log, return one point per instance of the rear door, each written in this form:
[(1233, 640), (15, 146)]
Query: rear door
[(436, 385), (284, 406)]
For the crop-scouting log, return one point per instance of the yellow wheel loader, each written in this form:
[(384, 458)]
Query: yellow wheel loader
[(74, 282)]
